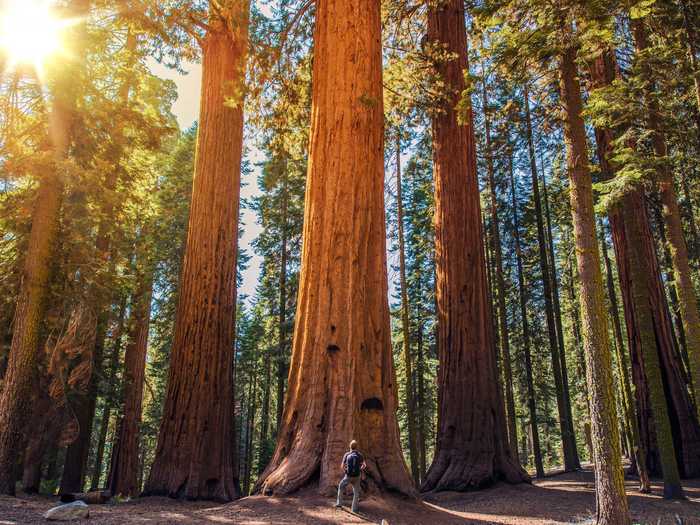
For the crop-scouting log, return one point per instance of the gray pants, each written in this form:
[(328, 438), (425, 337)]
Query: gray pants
[(355, 483)]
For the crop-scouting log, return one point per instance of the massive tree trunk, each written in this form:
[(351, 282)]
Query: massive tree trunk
[(342, 381), (568, 439), (19, 379), (507, 372), (405, 325), (194, 457), (531, 401), (611, 501), (472, 443), (124, 466)]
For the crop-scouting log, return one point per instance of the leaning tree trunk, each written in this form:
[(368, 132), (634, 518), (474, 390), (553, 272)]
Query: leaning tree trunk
[(124, 467), (194, 457), (472, 443), (342, 384), (20, 376), (405, 325), (633, 213), (611, 500)]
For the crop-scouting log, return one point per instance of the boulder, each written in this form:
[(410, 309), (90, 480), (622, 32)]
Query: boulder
[(70, 511)]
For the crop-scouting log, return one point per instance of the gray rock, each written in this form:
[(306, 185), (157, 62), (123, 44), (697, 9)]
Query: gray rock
[(70, 511)]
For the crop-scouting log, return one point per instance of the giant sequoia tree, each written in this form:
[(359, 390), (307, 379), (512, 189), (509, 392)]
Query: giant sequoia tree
[(342, 383), (194, 457), (472, 442)]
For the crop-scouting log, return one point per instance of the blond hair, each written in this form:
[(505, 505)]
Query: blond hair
[(353, 445)]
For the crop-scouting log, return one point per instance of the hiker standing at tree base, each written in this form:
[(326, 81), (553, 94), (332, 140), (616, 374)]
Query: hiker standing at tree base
[(353, 464)]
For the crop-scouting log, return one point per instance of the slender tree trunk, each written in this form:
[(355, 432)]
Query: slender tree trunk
[(531, 402), (342, 381), (405, 326), (472, 443), (282, 322), (422, 424), (568, 439), (611, 500), (687, 299), (109, 397), (20, 376), (194, 456), (507, 371), (123, 478)]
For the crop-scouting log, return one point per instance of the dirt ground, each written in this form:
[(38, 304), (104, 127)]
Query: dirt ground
[(558, 499)]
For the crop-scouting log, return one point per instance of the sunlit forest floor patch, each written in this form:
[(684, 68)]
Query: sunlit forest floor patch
[(559, 499)]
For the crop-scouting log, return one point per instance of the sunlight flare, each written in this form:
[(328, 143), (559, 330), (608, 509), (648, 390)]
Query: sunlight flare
[(30, 33)]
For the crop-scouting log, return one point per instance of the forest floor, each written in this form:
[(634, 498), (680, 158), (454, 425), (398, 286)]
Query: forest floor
[(557, 499)]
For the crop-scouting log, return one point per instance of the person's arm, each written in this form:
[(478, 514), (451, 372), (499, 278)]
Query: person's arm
[(363, 465), (342, 463)]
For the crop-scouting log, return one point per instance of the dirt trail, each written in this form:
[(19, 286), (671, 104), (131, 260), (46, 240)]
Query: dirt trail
[(560, 499)]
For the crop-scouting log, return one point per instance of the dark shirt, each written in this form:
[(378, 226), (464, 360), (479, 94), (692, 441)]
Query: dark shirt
[(345, 458)]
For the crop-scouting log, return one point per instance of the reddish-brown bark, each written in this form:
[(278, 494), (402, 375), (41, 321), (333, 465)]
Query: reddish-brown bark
[(124, 466), (194, 456), (472, 443), (342, 384)]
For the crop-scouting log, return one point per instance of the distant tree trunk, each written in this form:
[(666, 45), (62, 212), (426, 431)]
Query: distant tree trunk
[(20, 376), (422, 424), (282, 322), (687, 298), (123, 478), (342, 381), (507, 371), (109, 397), (611, 500), (194, 456), (531, 402), (472, 443), (568, 439), (250, 430), (405, 326), (265, 408)]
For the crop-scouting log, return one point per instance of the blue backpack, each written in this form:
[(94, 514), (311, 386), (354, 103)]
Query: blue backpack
[(353, 464)]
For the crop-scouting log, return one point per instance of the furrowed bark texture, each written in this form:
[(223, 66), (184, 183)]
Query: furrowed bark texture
[(194, 457), (472, 447), (124, 466), (611, 501), (20, 376), (342, 381)]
